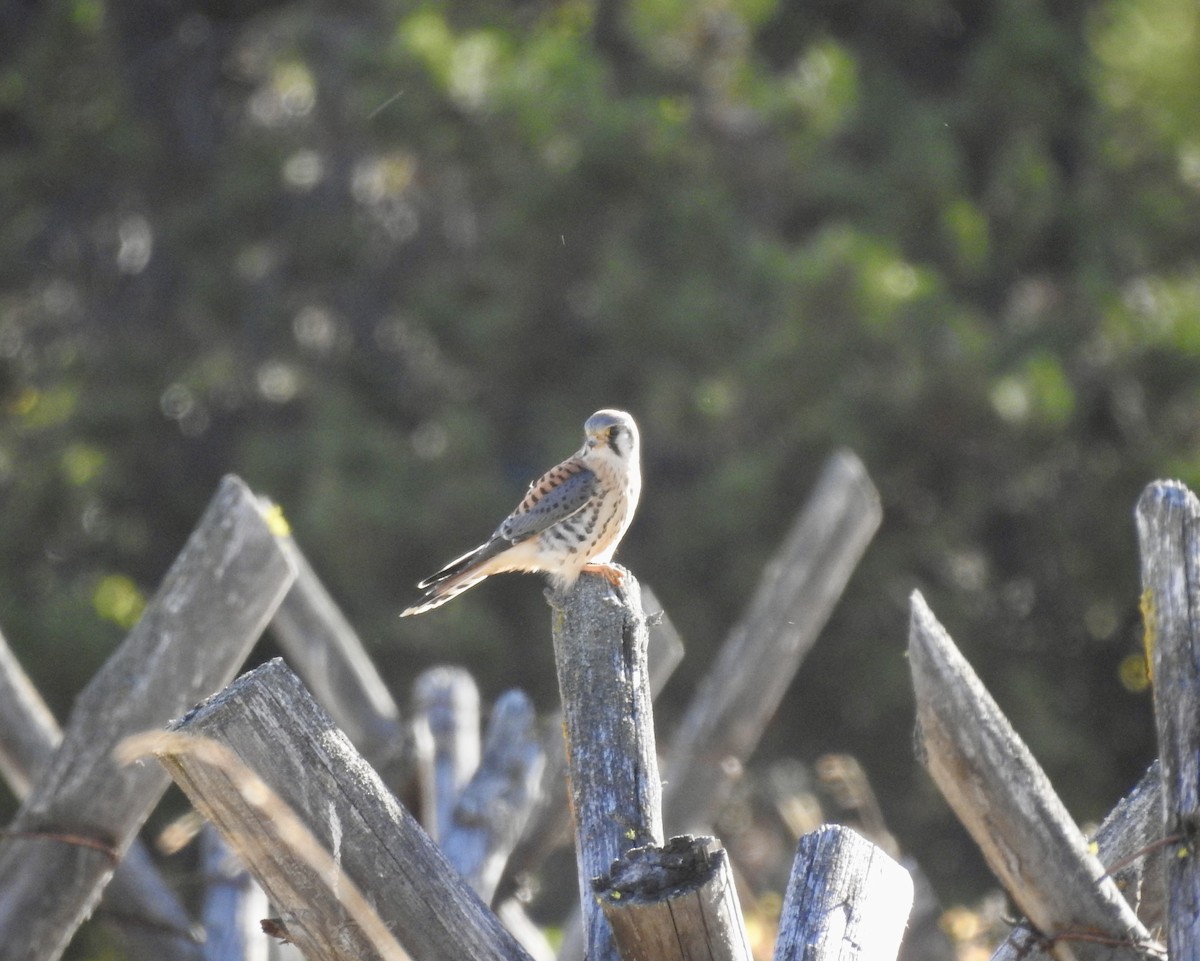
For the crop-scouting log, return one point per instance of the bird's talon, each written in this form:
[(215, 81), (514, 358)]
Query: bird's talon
[(610, 572)]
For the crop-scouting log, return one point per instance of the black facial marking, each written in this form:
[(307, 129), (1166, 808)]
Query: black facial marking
[(614, 440)]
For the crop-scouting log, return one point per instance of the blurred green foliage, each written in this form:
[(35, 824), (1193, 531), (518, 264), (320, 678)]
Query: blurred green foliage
[(383, 258)]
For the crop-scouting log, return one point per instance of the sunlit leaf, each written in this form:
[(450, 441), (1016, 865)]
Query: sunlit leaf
[(117, 599)]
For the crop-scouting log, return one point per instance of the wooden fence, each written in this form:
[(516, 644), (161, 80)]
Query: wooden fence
[(299, 765)]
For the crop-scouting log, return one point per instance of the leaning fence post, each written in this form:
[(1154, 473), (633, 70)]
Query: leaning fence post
[(742, 690), (319, 830), (85, 809), (325, 650), (1129, 845), (600, 648), (1168, 523), (1004, 799)]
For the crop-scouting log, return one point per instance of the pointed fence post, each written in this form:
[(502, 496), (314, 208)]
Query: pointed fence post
[(1004, 799), (319, 830), (85, 808), (1168, 523), (1129, 845)]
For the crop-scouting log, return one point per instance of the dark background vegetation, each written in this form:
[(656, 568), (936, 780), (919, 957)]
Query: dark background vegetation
[(382, 258)]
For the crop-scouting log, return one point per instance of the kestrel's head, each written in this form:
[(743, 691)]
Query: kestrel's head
[(613, 431)]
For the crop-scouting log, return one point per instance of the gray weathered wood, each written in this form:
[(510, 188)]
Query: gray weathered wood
[(330, 844), (677, 902), (234, 905), (600, 644), (1168, 524), (195, 632), (846, 900), (743, 688), (495, 804), (1129, 843), (151, 919), (28, 731), (445, 729), (550, 826), (143, 908), (327, 653), (1005, 801)]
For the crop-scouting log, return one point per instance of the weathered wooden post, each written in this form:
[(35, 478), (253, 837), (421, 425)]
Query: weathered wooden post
[(600, 648), (491, 810), (677, 902), (1168, 523), (1129, 843), (319, 830), (846, 900), (85, 809), (1004, 799), (551, 818), (741, 692), (445, 728)]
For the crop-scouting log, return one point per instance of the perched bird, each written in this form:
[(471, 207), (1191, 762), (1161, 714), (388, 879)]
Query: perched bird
[(571, 520)]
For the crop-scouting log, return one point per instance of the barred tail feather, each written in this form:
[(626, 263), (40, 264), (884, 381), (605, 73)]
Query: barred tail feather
[(455, 567), (459, 575), (439, 593)]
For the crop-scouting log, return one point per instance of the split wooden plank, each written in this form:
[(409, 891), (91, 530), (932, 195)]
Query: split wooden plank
[(85, 809)]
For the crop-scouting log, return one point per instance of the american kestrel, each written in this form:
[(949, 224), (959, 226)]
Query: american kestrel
[(571, 520)]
